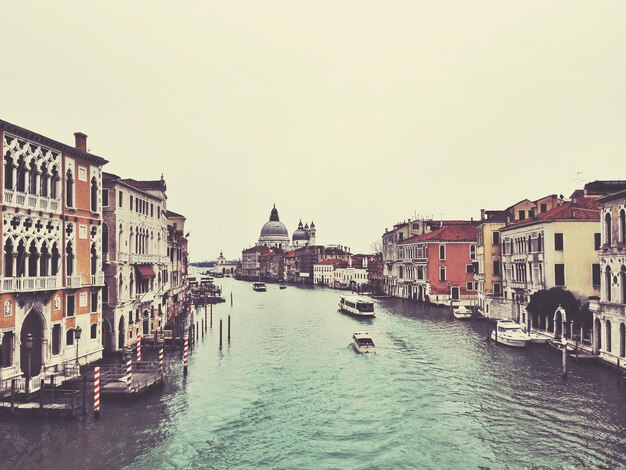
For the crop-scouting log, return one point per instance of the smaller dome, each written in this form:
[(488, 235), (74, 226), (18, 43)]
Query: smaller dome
[(300, 234)]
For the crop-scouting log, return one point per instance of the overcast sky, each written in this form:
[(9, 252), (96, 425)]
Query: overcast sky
[(353, 114)]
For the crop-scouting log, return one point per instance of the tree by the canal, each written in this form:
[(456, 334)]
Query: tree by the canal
[(545, 303)]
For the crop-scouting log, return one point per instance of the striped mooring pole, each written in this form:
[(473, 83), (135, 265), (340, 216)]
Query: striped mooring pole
[(161, 355), (129, 373), (139, 348), (185, 354), (96, 392)]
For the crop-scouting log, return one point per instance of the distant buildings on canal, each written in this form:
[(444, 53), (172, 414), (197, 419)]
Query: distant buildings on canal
[(83, 251)]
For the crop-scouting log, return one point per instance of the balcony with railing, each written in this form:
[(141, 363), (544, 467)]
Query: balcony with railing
[(30, 201), (29, 284), (97, 279), (143, 259), (73, 281)]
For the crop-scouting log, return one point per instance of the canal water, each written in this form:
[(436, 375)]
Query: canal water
[(290, 392)]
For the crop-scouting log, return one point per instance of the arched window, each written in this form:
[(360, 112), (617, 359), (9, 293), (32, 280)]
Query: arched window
[(54, 262), (105, 294), (69, 189), (94, 194), (442, 251), (21, 259), (622, 226), (607, 284), (44, 260), (622, 340), (94, 259), (69, 337), (94, 331), (622, 284), (69, 257), (33, 257), (530, 244), (54, 183), (105, 239), (608, 336), (8, 259), (539, 242), (607, 229), (9, 168), (32, 178), (21, 175), (44, 178)]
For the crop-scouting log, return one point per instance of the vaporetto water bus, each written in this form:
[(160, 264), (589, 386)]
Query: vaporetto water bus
[(356, 306)]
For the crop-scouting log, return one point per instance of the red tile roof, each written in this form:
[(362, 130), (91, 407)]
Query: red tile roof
[(581, 209), (333, 261), (450, 233)]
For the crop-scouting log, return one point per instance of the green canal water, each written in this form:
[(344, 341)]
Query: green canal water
[(289, 392)]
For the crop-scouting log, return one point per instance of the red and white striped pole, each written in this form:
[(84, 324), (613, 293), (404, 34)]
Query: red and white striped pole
[(96, 392), (139, 348), (129, 373), (161, 355), (185, 355)]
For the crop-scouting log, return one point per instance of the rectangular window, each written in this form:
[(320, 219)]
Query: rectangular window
[(121, 199), (597, 241), (472, 252), (400, 236), (131, 203), (544, 207), (496, 268), (105, 198), (469, 269), (151, 210), (420, 273), (558, 241), (56, 339), (559, 275), (469, 285), (94, 301), (497, 288), (70, 306), (7, 349), (496, 238), (521, 215), (82, 173), (455, 292), (595, 275), (82, 299), (82, 232), (531, 213)]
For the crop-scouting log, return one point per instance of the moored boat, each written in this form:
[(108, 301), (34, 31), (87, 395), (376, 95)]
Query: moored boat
[(259, 286), (283, 286), (356, 306), (363, 343), (509, 333), (461, 312), (536, 338)]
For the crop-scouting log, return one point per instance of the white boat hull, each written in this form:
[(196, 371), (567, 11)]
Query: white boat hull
[(513, 342), (354, 311), (462, 316), (364, 349)]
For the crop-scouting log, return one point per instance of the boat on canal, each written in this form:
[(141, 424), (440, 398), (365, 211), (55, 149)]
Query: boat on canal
[(538, 339), (461, 312), (509, 333), (283, 286), (363, 343), (259, 286), (356, 306)]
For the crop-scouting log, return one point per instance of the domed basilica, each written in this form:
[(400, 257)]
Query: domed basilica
[(274, 234)]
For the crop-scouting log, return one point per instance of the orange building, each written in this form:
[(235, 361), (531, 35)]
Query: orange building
[(51, 258)]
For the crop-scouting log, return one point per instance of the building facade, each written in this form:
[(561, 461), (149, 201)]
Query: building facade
[(609, 313), (51, 281), (136, 261)]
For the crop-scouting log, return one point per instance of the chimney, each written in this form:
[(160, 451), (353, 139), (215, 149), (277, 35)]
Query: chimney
[(482, 214), (81, 141)]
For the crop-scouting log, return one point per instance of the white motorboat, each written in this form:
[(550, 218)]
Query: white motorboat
[(259, 286), (461, 312), (536, 338), (509, 333), (363, 343), (356, 306)]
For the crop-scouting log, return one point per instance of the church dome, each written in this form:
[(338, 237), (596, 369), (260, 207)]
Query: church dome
[(300, 234), (274, 227)]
